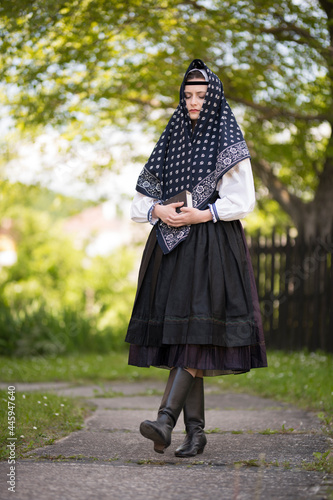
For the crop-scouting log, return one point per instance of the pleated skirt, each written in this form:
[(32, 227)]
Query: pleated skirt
[(197, 307)]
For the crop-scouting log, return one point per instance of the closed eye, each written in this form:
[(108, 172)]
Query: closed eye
[(201, 96)]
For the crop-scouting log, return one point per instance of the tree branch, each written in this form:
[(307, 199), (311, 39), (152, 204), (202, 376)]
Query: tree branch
[(286, 29), (269, 113), (289, 27), (279, 191)]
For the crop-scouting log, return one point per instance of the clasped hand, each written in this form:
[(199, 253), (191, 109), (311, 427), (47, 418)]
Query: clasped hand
[(187, 215)]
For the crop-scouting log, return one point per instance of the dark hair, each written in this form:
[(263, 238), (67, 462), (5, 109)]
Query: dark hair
[(195, 75)]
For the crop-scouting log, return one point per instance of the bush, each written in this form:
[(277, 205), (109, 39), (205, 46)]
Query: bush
[(43, 332), (56, 299)]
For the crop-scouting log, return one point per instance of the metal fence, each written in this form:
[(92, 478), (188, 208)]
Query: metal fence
[(295, 287)]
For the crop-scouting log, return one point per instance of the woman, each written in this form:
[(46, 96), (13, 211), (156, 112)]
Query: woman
[(196, 310)]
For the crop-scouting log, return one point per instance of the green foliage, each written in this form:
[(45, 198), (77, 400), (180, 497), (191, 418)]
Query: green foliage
[(323, 462), (75, 367), (87, 57), (300, 377), (267, 216), (55, 299), (85, 66), (40, 419), (38, 198)]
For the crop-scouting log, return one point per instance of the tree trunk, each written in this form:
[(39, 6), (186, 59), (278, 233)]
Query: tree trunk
[(313, 219), (317, 217)]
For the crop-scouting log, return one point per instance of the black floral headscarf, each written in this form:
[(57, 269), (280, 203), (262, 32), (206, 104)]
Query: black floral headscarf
[(193, 161)]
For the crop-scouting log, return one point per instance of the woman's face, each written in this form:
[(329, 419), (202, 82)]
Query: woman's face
[(194, 98)]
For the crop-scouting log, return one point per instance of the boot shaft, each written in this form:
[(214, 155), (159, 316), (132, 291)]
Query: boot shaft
[(194, 408), (180, 388)]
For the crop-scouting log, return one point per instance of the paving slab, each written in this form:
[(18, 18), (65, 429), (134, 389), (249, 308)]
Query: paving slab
[(221, 449), (256, 449), (36, 386), (121, 414), (88, 391), (220, 401), (83, 481)]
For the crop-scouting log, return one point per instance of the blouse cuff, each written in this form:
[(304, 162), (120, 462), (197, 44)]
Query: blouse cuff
[(214, 213), (150, 212)]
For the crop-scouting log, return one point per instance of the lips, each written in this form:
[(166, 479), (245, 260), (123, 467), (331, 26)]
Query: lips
[(194, 111)]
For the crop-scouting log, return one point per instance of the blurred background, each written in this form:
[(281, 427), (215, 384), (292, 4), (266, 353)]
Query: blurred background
[(86, 89)]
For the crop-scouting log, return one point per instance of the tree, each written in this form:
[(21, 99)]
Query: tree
[(83, 66)]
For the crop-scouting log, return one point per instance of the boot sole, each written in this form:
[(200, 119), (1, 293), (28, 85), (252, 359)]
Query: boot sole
[(185, 455), (150, 433)]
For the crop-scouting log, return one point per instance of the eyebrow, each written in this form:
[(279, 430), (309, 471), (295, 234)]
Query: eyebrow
[(197, 92)]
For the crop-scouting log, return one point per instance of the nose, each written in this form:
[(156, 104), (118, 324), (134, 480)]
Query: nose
[(193, 101)]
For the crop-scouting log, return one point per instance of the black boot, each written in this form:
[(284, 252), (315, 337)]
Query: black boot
[(167, 390), (160, 430), (158, 447), (194, 418)]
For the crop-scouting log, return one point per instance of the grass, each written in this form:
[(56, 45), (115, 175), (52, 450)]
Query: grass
[(40, 418), (76, 368), (323, 462), (304, 379)]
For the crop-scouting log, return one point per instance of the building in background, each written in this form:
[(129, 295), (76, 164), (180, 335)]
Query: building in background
[(8, 254), (103, 230)]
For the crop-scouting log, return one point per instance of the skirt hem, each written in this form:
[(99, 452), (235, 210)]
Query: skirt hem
[(213, 360)]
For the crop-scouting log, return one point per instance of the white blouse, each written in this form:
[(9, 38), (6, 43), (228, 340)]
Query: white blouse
[(235, 188)]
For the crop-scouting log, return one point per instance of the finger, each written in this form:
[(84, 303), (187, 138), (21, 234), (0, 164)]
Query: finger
[(173, 220), (177, 204), (176, 216), (179, 222), (176, 224), (182, 224)]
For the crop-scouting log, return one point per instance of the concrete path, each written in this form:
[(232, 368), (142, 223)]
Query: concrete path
[(256, 450)]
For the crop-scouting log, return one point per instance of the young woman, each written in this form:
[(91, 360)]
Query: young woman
[(196, 309)]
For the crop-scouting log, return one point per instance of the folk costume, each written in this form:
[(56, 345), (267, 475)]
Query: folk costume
[(196, 304)]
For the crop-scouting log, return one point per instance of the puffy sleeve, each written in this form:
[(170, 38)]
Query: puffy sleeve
[(236, 191), (141, 208)]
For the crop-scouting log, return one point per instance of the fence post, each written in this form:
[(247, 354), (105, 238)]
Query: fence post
[(295, 286)]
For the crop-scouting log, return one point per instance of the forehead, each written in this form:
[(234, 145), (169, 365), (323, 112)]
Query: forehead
[(194, 89)]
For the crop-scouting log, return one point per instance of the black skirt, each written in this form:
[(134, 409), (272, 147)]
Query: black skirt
[(197, 306)]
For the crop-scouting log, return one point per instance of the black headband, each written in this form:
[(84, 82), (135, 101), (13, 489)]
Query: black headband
[(197, 83)]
